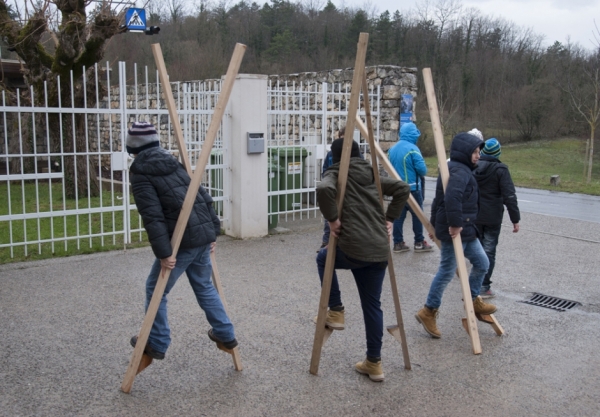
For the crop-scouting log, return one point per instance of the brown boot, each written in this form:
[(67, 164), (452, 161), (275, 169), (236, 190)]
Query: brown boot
[(426, 316), (373, 369), (483, 308)]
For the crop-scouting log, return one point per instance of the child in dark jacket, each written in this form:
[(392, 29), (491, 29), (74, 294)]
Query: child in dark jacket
[(159, 184), (454, 213)]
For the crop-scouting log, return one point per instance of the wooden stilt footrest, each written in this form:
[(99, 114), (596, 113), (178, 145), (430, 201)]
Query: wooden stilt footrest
[(394, 330), (328, 331), (235, 354), (486, 318), (144, 363)]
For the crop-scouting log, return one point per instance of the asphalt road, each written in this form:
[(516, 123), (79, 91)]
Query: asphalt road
[(551, 203)]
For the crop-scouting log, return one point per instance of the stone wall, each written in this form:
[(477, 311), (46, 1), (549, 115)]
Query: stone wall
[(393, 81)]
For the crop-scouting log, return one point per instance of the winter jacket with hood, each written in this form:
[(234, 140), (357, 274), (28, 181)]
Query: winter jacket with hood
[(496, 190), (458, 207), (159, 184), (406, 157), (364, 233)]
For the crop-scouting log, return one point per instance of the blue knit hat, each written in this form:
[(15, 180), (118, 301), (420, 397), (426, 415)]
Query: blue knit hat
[(492, 148)]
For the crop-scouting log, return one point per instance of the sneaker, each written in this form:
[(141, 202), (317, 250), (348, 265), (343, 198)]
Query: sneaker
[(323, 245), (487, 293), (400, 247), (373, 369), (483, 308), (228, 345), (334, 320), (427, 316), (423, 247), (148, 350)]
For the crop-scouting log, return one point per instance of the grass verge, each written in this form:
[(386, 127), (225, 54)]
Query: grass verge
[(532, 164)]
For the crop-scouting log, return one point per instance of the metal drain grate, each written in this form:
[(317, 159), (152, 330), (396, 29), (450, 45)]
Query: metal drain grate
[(548, 301)]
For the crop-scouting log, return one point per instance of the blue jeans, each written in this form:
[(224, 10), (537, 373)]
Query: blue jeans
[(369, 280), (474, 253), (195, 262), (488, 236), (416, 223)]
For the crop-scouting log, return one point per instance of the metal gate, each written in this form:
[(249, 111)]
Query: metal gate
[(303, 120), (58, 200)]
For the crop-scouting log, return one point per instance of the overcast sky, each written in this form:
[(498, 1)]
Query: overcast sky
[(554, 19)]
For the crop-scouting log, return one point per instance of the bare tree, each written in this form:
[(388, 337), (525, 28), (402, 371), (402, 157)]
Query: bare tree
[(582, 86), (57, 38)]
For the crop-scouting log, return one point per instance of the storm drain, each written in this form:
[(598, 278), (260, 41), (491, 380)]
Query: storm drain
[(548, 301)]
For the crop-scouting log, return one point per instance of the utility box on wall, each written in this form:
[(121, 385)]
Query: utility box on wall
[(256, 142)]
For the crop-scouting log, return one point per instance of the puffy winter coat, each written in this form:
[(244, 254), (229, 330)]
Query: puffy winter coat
[(406, 157), (496, 190), (364, 233), (159, 184), (458, 207)]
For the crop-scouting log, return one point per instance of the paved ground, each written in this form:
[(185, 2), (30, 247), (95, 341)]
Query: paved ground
[(66, 324)]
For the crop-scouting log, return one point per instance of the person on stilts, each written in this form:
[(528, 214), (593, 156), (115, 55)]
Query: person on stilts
[(364, 232), (159, 184)]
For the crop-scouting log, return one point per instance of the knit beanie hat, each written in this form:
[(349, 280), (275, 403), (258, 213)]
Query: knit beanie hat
[(476, 132), (492, 148), (336, 150), (141, 136)]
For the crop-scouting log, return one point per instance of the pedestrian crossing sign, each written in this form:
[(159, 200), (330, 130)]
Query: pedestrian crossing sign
[(135, 19)]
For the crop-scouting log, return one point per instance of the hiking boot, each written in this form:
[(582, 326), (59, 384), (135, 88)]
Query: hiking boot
[(400, 247), (487, 293), (228, 345), (482, 308), (426, 316), (148, 350), (423, 247), (334, 319), (373, 369)]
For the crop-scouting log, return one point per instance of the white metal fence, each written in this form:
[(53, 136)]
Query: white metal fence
[(303, 120), (53, 196)]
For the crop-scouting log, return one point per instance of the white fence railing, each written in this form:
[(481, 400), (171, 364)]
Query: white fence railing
[(63, 170), (303, 120)]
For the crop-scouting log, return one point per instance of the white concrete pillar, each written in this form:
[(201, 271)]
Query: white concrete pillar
[(249, 175)]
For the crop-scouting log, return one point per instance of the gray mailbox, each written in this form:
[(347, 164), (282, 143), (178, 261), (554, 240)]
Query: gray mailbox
[(256, 142)]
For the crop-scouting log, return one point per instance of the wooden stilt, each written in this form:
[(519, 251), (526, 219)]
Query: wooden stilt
[(188, 204), (235, 353), (371, 140), (457, 241), (359, 69), (470, 321)]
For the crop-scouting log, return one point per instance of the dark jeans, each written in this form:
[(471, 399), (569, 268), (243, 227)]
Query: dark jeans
[(369, 280), (488, 236), (416, 223), (326, 232)]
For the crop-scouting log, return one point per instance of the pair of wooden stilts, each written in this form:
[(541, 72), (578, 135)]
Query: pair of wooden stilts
[(322, 332), (139, 360)]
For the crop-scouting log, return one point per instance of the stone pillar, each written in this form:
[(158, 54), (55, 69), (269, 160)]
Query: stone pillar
[(248, 172)]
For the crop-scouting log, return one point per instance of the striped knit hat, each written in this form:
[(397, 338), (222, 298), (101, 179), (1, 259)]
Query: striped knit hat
[(492, 148), (141, 136)]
